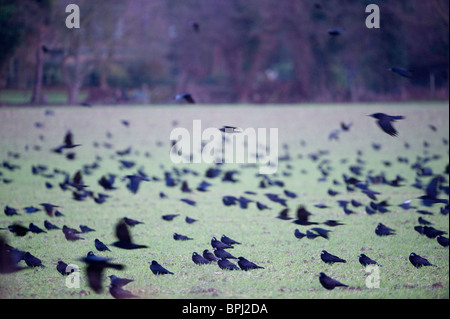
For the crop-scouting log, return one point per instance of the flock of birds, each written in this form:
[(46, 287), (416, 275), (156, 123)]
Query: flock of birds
[(219, 253)]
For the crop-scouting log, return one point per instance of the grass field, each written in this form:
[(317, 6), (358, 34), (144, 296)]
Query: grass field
[(291, 265)]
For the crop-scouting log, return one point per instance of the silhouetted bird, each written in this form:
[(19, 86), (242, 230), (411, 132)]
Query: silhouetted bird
[(8, 258), (383, 230), (244, 264), (119, 282), (228, 241), (86, 229), (432, 191), (330, 259), (335, 32), (226, 264), (284, 214), (181, 237), (107, 183), (9, 211), (365, 261), (157, 269), (186, 97), (209, 255), (131, 222), (329, 283), (432, 232), (401, 71), (100, 246), (169, 217), (67, 143), (195, 26), (303, 217), (124, 237), (61, 267), (49, 208), (321, 232), (95, 267), (199, 260), (17, 230), (384, 121), (134, 182), (346, 127), (32, 261), (35, 229), (443, 241), (332, 223), (190, 220), (311, 235), (50, 226), (299, 234), (419, 261), (423, 221)]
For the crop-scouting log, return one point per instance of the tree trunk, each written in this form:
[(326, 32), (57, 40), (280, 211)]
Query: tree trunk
[(39, 69)]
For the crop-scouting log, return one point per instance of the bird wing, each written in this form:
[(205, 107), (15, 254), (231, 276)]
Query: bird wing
[(122, 232), (386, 126)]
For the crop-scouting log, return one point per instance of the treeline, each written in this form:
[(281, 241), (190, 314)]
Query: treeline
[(234, 51)]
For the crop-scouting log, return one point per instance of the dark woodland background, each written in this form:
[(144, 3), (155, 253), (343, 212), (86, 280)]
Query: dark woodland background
[(244, 51)]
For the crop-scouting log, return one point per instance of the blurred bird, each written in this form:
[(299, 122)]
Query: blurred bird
[(215, 243), (186, 97), (32, 261), (119, 293), (124, 237), (226, 264), (401, 71), (222, 253), (131, 222), (443, 241), (383, 230), (365, 261), (303, 217), (209, 255), (181, 237), (134, 182), (298, 234), (71, 234), (228, 241), (119, 282), (8, 261), (385, 121), (100, 246)]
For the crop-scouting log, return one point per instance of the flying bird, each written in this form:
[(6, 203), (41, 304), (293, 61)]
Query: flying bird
[(186, 97), (385, 121), (124, 237)]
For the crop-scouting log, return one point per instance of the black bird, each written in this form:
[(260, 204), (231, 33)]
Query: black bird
[(383, 230), (423, 221), (443, 241), (131, 222), (230, 129), (365, 261), (71, 234), (330, 259), (86, 229), (209, 255), (61, 267), (335, 32), (332, 223), (190, 220), (186, 97), (329, 283), (107, 183), (195, 26), (8, 260), (119, 293), (124, 237), (226, 264), (169, 217), (119, 282), (32, 261), (222, 253), (199, 260), (384, 121), (419, 261), (17, 230), (432, 232), (321, 232), (181, 237), (215, 243), (311, 235), (228, 241), (432, 191), (299, 234), (303, 217), (49, 208), (100, 246), (157, 269), (50, 226), (401, 71), (284, 214), (9, 211), (67, 143), (35, 229), (134, 182), (95, 267), (244, 264)]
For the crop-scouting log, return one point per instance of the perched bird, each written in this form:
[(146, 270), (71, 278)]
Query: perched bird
[(35, 229), (169, 217), (86, 229), (119, 282), (383, 230), (311, 235), (228, 241), (50, 226), (199, 260), (71, 234), (190, 220), (9, 211), (8, 260), (329, 283), (365, 261), (419, 261), (401, 71), (443, 241), (95, 267), (49, 208), (186, 97), (215, 243), (124, 237), (244, 264), (100, 246), (181, 237), (17, 230), (332, 223), (209, 255), (32, 261), (222, 253), (330, 259), (384, 121), (226, 264), (61, 267), (131, 222), (335, 32), (157, 269)]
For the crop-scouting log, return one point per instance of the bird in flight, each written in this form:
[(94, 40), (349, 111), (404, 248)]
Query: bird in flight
[(186, 97), (385, 121), (401, 71)]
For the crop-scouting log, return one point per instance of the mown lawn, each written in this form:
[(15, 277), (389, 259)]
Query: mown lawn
[(291, 265)]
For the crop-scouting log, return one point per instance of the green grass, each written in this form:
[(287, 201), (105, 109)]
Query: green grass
[(291, 265), (54, 96)]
